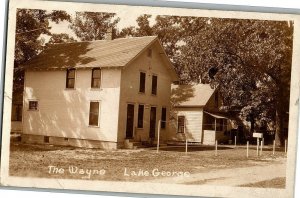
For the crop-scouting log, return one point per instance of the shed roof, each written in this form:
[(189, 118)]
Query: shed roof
[(196, 95), (99, 53)]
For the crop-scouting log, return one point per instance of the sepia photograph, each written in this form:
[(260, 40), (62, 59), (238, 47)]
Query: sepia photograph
[(150, 97)]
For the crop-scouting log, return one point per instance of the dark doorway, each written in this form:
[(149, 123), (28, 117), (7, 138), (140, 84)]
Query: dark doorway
[(152, 122), (130, 120)]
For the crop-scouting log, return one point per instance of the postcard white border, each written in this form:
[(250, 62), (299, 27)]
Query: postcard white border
[(142, 187)]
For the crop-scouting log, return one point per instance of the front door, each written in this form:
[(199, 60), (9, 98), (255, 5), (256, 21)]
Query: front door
[(130, 120), (152, 122)]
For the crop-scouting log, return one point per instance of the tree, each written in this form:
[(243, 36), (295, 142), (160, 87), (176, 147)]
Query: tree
[(90, 26), (60, 38), (30, 25), (249, 61), (253, 59)]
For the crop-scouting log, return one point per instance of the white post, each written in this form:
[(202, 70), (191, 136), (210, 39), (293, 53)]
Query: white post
[(285, 146), (247, 149), (261, 146), (257, 146), (273, 147), (186, 145), (186, 142), (234, 141), (158, 135), (216, 148)]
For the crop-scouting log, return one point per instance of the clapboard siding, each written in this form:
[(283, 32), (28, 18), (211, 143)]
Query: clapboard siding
[(193, 119), (65, 112)]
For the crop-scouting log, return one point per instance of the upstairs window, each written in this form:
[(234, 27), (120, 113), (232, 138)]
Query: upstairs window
[(94, 114), (163, 117), (154, 85), (141, 116), (70, 82), (33, 105), (96, 78), (142, 82)]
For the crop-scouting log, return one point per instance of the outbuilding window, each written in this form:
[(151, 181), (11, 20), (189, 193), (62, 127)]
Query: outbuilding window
[(94, 114), (96, 78), (181, 124), (33, 105), (70, 82)]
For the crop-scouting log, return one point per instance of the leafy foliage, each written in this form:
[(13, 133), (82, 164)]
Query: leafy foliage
[(90, 26), (30, 25)]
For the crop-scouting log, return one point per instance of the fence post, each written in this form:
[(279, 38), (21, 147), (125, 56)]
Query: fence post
[(234, 141), (273, 147), (158, 135), (261, 146), (216, 148), (257, 147), (186, 142), (247, 149)]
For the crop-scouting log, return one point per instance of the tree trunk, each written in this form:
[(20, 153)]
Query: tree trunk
[(279, 134)]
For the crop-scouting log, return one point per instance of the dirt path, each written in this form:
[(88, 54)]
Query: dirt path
[(234, 176)]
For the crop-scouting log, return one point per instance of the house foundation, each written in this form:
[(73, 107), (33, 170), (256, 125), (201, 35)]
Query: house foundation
[(62, 141)]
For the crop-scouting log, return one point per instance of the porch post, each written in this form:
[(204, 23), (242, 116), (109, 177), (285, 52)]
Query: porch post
[(215, 124)]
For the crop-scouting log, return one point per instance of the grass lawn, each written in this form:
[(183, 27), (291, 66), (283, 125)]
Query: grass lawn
[(34, 161)]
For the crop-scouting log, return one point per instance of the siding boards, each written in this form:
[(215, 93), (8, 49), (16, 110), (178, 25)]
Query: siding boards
[(193, 119)]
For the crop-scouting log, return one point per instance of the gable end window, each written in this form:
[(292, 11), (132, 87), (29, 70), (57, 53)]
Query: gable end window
[(154, 85), (94, 114), (33, 105), (142, 82), (141, 116), (70, 81), (96, 78)]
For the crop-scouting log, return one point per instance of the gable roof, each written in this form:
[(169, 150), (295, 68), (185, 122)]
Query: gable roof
[(195, 95), (99, 53)]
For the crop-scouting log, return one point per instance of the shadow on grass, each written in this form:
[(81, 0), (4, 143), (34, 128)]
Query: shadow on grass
[(193, 148)]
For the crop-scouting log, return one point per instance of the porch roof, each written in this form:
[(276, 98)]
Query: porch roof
[(218, 116)]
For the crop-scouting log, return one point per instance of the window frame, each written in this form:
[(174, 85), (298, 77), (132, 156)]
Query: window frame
[(69, 78), (37, 105), (140, 83), (163, 120), (142, 116), (99, 110), (92, 78), (156, 85), (181, 126)]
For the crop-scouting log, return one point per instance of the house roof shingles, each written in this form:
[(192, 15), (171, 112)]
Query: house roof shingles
[(100, 53), (196, 95)]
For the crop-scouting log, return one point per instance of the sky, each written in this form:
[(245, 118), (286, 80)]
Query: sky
[(125, 21)]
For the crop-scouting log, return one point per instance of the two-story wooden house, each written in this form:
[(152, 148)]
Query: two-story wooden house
[(97, 94)]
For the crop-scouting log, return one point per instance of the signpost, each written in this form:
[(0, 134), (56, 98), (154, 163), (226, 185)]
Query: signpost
[(258, 135)]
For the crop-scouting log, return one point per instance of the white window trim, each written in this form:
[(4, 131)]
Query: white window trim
[(99, 115)]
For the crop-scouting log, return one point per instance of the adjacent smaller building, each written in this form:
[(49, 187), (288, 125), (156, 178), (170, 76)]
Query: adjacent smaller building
[(196, 115)]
